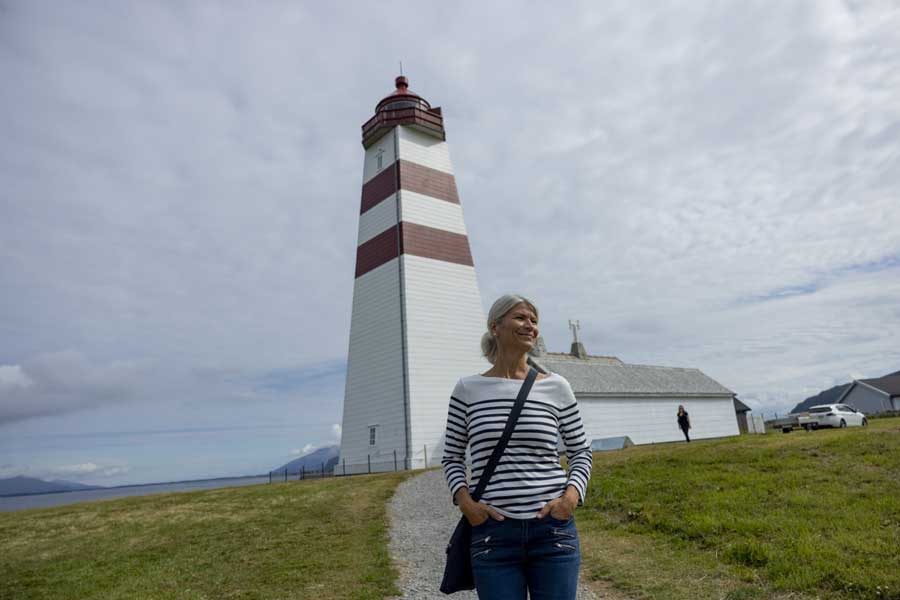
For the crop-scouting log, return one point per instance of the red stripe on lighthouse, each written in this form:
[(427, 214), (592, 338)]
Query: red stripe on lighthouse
[(428, 181), (378, 188), (414, 178), (377, 251), (438, 244), (415, 240)]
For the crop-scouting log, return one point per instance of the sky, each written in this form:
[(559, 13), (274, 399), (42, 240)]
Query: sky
[(702, 184)]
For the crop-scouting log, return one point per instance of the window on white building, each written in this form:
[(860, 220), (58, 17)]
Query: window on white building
[(372, 436)]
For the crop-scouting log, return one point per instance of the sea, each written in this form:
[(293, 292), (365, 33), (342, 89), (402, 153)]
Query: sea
[(11, 503)]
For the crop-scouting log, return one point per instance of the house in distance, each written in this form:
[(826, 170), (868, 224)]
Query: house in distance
[(873, 396)]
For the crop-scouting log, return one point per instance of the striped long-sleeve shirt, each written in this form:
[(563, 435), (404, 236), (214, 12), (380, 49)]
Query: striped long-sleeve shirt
[(529, 474)]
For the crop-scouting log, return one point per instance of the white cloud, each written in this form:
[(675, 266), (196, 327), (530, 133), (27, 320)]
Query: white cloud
[(88, 471), (336, 432), (12, 376), (62, 382), (76, 472), (303, 451), (9, 470)]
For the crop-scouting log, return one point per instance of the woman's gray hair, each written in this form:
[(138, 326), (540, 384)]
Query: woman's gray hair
[(501, 306)]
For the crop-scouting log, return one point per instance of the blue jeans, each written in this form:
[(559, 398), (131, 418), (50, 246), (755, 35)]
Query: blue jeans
[(540, 555)]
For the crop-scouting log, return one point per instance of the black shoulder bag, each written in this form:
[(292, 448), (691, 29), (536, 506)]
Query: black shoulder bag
[(458, 571)]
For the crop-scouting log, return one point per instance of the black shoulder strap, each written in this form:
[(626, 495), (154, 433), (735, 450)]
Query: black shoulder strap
[(507, 433)]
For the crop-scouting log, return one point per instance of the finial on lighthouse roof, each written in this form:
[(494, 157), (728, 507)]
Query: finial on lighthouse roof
[(402, 84)]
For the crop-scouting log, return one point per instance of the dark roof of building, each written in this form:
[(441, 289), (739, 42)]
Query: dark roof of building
[(890, 385), (740, 406), (607, 375)]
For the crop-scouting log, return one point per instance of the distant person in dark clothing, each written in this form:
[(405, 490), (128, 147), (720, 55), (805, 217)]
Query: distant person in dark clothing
[(684, 421)]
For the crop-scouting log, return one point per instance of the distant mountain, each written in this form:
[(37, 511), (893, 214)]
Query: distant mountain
[(72, 486), (312, 461), (16, 486), (829, 396)]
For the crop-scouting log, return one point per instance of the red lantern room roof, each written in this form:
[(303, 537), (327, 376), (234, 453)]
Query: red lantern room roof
[(403, 107), (402, 97)]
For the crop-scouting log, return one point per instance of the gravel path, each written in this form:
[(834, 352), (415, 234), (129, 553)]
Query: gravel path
[(422, 519)]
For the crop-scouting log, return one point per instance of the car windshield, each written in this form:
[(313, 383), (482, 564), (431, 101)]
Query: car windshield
[(820, 409)]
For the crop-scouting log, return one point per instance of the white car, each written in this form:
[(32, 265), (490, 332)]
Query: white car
[(832, 415)]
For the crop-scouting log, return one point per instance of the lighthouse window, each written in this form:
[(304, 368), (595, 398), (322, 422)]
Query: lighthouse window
[(371, 436), (379, 160), (400, 105)]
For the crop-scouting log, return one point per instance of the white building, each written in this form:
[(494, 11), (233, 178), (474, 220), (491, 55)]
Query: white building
[(641, 401), (417, 313)]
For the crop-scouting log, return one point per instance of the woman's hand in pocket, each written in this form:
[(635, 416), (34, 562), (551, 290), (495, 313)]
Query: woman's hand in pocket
[(479, 512), (561, 508)]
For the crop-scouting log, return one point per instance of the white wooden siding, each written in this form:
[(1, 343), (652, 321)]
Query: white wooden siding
[(415, 208), (444, 316), (652, 420), (377, 219), (445, 321), (374, 387), (384, 145), (425, 210), (424, 150)]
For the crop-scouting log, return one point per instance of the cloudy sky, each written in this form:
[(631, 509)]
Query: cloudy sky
[(713, 185)]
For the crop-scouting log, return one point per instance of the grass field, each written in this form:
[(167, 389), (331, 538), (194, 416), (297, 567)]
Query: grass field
[(798, 516), (802, 515), (312, 539)]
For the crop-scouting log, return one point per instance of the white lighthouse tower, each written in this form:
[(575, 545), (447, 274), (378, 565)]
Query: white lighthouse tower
[(417, 315)]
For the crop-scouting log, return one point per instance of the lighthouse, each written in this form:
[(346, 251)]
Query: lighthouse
[(417, 315)]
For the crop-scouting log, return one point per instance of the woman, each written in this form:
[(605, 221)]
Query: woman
[(523, 528), (684, 421)]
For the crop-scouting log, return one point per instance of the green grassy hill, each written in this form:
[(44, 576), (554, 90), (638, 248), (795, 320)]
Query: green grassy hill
[(323, 538), (804, 515)]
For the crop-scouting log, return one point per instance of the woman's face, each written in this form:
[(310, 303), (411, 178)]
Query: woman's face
[(517, 330)]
